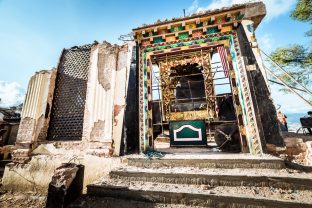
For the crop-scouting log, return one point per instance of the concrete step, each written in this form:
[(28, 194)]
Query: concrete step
[(224, 161), (284, 179), (86, 201), (199, 195)]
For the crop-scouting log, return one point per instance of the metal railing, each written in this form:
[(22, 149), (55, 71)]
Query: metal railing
[(303, 89)]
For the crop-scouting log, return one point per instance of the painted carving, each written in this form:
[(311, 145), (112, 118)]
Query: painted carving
[(198, 130)]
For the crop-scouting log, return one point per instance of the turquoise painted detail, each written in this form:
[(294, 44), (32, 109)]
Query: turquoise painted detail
[(201, 41), (188, 133), (212, 30), (188, 43), (183, 35), (240, 92), (216, 39), (175, 45), (250, 28), (162, 47), (176, 29), (158, 40)]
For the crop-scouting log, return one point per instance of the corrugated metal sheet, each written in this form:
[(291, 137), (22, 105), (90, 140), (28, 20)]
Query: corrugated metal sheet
[(36, 97), (106, 94)]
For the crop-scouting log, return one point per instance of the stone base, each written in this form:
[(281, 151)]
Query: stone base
[(298, 149), (100, 149), (37, 173)]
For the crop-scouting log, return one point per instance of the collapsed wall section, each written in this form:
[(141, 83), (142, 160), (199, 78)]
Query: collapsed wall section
[(89, 92), (35, 114), (100, 73)]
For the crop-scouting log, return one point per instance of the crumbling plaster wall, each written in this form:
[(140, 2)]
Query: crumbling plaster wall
[(107, 84), (121, 88), (106, 95), (108, 74), (36, 175), (35, 113)]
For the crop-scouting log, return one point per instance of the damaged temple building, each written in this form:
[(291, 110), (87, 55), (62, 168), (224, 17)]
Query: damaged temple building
[(195, 81)]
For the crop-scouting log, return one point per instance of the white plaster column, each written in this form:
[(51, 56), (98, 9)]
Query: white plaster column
[(121, 85)]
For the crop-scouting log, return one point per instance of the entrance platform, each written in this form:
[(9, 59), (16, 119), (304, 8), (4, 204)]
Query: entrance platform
[(202, 180)]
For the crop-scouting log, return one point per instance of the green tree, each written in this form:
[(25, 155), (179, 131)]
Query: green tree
[(297, 59), (303, 12)]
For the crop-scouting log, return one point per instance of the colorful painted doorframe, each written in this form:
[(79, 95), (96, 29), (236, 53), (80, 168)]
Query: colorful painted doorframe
[(244, 109)]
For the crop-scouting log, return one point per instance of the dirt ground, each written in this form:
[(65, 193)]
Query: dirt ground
[(22, 200), (31, 200), (12, 200)]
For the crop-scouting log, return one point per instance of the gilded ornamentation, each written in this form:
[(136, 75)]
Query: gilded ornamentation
[(189, 115), (209, 87), (201, 58)]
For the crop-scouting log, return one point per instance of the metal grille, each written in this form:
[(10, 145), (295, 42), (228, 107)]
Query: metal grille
[(70, 95)]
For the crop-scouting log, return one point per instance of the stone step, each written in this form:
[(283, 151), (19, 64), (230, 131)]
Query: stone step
[(217, 177), (225, 161), (86, 201), (195, 195)]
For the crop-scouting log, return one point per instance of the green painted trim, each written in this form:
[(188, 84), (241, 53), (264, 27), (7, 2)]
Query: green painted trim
[(187, 43), (183, 35)]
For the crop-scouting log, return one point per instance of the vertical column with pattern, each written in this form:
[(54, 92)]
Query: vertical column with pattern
[(141, 100), (246, 100), (165, 89), (149, 106), (238, 107), (208, 82)]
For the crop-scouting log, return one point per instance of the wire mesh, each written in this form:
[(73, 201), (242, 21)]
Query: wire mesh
[(70, 95)]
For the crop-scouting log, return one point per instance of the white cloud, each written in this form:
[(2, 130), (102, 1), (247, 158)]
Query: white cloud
[(193, 8), (266, 42), (274, 7), (11, 93), (289, 102)]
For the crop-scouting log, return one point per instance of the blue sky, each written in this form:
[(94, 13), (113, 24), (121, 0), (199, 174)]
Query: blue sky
[(33, 32)]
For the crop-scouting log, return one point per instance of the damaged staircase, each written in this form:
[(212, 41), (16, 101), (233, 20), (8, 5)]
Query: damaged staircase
[(207, 181)]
